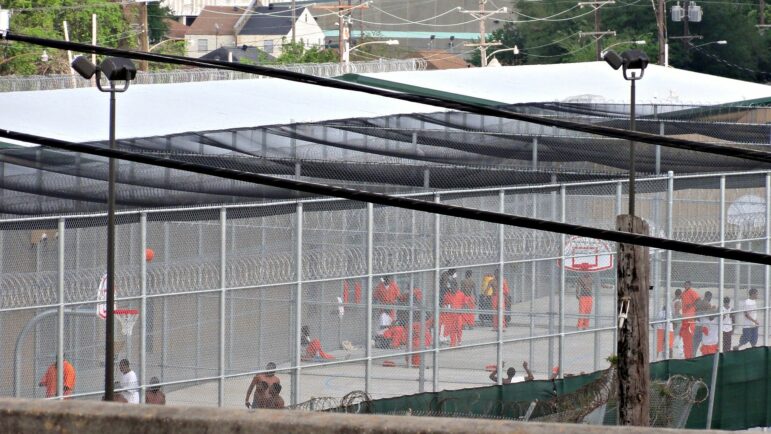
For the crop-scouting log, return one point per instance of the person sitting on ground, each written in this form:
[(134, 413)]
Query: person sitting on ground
[(274, 401), (529, 376), (397, 334), (510, 373), (312, 347), (153, 395)]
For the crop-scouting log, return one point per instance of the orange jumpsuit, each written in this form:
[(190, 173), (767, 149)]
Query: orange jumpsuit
[(469, 303), (397, 334), (49, 379), (416, 326), (506, 304), (387, 294), (314, 349), (689, 299)]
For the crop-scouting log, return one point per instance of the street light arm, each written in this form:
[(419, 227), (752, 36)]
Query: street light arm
[(388, 42), (515, 49), (641, 42)]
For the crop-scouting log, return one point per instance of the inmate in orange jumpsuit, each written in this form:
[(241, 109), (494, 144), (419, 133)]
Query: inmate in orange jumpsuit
[(49, 379), (387, 292), (416, 326), (689, 299), (506, 303)]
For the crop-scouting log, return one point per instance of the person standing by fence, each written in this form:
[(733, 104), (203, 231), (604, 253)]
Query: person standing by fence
[(585, 300), (751, 324), (49, 379), (689, 299), (728, 324), (469, 303)]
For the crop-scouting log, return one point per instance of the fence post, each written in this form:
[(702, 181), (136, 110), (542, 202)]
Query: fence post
[(295, 395), (668, 290), (223, 300), (768, 251), (143, 307), (533, 269), (721, 277), (368, 326), (437, 258), (60, 327), (500, 313), (619, 208), (561, 353)]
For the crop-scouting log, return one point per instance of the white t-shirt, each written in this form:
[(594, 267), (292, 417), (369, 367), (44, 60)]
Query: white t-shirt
[(728, 324), (711, 337), (663, 317), (750, 304), (129, 381), (385, 320)]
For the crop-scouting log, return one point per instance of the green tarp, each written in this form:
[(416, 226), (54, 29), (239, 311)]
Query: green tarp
[(741, 401)]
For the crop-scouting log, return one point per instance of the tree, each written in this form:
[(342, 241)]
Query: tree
[(45, 21), (297, 52), (548, 32), (157, 16), (509, 36)]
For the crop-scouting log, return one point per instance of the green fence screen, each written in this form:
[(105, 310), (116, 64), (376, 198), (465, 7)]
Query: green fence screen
[(741, 402)]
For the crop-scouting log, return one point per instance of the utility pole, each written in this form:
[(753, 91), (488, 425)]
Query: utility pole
[(294, 21), (145, 35), (686, 30), (762, 14), (482, 16), (661, 23), (343, 11), (633, 276), (597, 32)]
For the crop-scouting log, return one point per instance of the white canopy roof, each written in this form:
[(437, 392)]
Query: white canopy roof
[(81, 115)]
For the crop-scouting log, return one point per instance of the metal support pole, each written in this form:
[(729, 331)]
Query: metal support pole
[(109, 337), (619, 207), (668, 301), (143, 307), (561, 356), (552, 282), (223, 302), (370, 247), (766, 268), (721, 277), (437, 259), (533, 269), (501, 258), (535, 153), (295, 394), (631, 150), (60, 327)]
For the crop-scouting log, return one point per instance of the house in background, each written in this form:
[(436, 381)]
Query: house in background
[(269, 27), (214, 28), (186, 11)]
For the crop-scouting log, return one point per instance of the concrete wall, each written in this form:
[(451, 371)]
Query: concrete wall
[(25, 416)]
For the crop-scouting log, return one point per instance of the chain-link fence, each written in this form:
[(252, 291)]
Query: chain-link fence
[(346, 296), (52, 82)]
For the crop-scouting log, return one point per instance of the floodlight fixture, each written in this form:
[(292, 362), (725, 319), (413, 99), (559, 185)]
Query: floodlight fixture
[(634, 60), (118, 69), (84, 67), (613, 59)]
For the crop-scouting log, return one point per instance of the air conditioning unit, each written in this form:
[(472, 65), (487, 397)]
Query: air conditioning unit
[(677, 13), (694, 13)]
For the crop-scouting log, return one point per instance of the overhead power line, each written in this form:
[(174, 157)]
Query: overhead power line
[(397, 201)]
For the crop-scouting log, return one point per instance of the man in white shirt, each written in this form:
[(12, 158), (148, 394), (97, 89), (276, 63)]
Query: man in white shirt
[(750, 330), (129, 381), (728, 324)]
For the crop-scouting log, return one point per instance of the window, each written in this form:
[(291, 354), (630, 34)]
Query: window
[(203, 45), (267, 46)]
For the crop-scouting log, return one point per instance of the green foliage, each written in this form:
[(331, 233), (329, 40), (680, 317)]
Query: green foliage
[(174, 48), (24, 59), (509, 36), (156, 21), (547, 32), (297, 52)]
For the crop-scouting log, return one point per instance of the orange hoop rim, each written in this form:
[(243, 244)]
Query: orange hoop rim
[(126, 312)]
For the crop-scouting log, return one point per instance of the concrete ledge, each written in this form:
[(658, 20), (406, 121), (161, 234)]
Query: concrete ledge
[(88, 417)]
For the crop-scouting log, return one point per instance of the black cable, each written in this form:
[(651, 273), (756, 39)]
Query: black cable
[(400, 202), (728, 151)]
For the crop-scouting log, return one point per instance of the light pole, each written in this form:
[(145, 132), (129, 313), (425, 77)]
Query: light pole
[(514, 49), (113, 69), (348, 51), (631, 61)]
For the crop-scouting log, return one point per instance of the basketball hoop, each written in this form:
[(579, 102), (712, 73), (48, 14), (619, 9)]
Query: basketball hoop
[(127, 318)]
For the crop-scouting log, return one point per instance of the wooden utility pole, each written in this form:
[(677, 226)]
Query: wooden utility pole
[(762, 14), (633, 276), (597, 24), (482, 16), (144, 35), (342, 12)]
